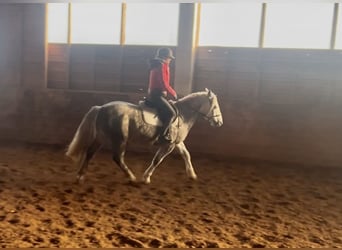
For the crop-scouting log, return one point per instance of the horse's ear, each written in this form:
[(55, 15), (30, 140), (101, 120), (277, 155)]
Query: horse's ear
[(210, 93)]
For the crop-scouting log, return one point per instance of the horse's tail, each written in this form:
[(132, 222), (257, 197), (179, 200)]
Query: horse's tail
[(84, 136)]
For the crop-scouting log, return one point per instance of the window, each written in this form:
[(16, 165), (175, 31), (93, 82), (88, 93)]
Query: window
[(58, 22), (152, 23), (98, 23), (300, 25), (230, 24)]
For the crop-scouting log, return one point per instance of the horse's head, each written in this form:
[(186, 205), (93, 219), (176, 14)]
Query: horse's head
[(211, 111)]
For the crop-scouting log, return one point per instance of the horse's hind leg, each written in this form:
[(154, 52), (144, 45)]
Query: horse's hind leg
[(157, 159), (85, 160), (119, 158), (187, 159)]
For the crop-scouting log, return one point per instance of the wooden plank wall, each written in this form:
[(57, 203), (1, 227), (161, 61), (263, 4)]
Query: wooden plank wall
[(135, 68), (11, 37), (100, 67), (277, 103), (33, 73), (58, 66), (107, 68), (269, 76)]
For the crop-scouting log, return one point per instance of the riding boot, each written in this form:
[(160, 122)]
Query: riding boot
[(165, 136)]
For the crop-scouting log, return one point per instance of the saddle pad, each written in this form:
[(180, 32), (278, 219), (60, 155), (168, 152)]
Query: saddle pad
[(150, 116)]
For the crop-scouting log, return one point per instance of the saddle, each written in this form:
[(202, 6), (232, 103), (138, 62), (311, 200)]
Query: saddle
[(150, 116)]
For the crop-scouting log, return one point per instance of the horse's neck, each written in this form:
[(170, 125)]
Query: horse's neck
[(189, 110)]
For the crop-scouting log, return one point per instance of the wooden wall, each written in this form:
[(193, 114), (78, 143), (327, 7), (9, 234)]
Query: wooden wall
[(278, 105), (100, 67), (11, 18)]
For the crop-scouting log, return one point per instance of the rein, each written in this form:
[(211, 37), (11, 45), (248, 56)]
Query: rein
[(206, 117)]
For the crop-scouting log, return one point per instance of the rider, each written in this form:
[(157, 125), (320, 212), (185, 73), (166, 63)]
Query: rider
[(159, 88)]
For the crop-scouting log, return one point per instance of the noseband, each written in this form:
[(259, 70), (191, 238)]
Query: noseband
[(205, 117)]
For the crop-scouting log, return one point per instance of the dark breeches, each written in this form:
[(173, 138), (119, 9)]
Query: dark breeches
[(165, 110)]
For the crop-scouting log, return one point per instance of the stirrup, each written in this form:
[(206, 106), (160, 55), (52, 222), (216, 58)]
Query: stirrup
[(167, 137), (163, 139)]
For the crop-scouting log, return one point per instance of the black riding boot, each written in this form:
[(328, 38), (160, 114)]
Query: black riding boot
[(166, 114), (165, 135)]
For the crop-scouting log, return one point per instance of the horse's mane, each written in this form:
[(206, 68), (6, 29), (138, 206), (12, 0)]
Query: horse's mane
[(191, 96)]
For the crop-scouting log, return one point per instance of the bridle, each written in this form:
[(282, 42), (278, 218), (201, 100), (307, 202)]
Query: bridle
[(205, 116)]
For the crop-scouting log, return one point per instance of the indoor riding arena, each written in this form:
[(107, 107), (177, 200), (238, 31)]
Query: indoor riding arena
[(269, 176)]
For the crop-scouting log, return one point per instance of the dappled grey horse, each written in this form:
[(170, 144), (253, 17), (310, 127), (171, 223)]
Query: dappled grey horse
[(117, 123)]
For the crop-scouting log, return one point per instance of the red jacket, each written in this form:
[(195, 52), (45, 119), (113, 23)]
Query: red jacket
[(160, 79)]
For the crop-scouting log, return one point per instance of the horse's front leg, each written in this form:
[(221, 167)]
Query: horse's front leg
[(187, 159), (162, 152)]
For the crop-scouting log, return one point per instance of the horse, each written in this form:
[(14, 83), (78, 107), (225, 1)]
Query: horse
[(117, 123)]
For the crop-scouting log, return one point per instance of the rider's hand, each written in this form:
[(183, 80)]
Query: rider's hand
[(175, 97)]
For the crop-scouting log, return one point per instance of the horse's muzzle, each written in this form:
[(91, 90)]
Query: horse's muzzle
[(219, 123), (216, 123)]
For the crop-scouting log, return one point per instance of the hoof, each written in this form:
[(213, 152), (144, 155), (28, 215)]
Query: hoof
[(193, 177), (80, 179), (146, 180), (133, 179)]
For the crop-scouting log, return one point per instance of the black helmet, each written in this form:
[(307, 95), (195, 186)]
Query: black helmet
[(165, 53)]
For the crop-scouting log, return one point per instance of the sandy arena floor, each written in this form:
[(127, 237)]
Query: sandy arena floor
[(231, 205)]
